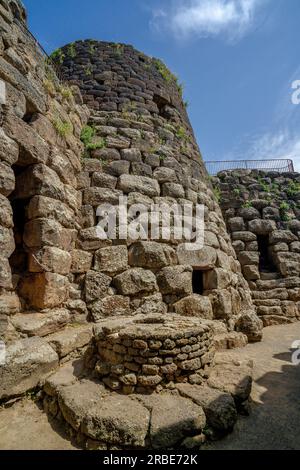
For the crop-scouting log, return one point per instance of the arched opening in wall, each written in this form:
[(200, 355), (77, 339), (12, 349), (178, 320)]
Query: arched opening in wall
[(197, 280), (266, 263)]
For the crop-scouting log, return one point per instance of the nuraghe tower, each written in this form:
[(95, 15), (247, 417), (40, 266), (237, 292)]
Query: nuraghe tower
[(131, 326)]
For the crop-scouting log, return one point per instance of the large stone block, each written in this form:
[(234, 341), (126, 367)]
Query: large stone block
[(221, 300), (44, 290), (39, 180), (9, 149), (202, 259), (248, 258), (7, 242), (96, 285), (7, 179), (111, 260), (47, 232), (173, 190), (151, 255), (135, 281), (70, 339), (27, 362), (50, 259), (97, 196), (279, 236), (6, 213), (9, 303), (41, 324), (261, 226), (140, 184), (175, 280), (111, 306), (194, 306), (5, 273), (217, 278), (81, 261), (33, 149), (251, 326), (46, 207)]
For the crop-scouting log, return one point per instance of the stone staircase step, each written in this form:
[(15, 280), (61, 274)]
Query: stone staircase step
[(269, 276), (41, 324), (230, 340), (72, 338)]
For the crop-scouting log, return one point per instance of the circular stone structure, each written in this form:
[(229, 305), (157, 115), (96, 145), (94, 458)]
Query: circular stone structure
[(150, 353)]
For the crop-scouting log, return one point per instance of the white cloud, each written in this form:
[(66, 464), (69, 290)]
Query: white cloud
[(282, 144), (206, 18)]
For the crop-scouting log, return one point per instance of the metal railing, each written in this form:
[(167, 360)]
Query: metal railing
[(280, 165)]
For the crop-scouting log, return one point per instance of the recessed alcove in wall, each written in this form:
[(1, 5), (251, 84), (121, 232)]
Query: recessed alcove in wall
[(266, 264), (19, 259), (197, 280)]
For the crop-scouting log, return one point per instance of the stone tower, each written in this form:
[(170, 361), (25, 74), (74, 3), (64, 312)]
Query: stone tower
[(140, 143)]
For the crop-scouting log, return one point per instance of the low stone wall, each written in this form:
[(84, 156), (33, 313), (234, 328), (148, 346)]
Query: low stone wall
[(262, 211), (154, 352)]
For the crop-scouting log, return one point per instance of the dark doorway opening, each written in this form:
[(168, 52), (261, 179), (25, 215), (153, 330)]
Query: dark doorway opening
[(19, 259), (266, 264), (198, 282)]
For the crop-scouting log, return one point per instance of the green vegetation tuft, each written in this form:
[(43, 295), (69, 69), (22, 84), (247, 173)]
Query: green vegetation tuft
[(217, 193), (247, 205), (63, 128), (58, 56), (87, 135), (72, 50)]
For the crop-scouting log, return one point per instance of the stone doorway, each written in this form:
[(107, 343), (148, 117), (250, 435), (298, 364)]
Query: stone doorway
[(266, 263)]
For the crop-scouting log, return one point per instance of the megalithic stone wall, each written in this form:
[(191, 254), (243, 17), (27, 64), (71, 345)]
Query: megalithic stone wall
[(140, 143), (262, 211), (40, 158)]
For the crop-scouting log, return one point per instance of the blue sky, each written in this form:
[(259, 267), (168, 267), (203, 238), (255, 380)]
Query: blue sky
[(237, 60)]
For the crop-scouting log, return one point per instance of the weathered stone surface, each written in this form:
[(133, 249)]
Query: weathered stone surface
[(248, 258), (41, 324), (81, 261), (195, 306), (47, 232), (135, 281), (72, 338), (5, 273), (251, 326), (114, 419), (217, 278), (140, 184), (221, 300), (218, 406), (165, 175), (7, 242), (172, 419), (232, 376), (173, 190), (203, 259), (230, 340), (6, 214), (111, 306), (50, 259), (111, 260), (278, 236), (96, 285), (7, 179), (44, 290), (46, 207), (251, 273), (27, 362), (96, 196), (9, 303), (9, 149), (175, 280), (151, 255)]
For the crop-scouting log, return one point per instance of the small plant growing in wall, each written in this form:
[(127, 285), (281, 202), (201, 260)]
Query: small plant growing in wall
[(63, 128), (247, 205), (237, 192), (72, 50), (293, 189), (88, 70), (118, 49), (58, 56), (167, 75), (87, 135), (217, 193), (284, 211)]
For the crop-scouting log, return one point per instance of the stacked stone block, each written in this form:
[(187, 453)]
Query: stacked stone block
[(265, 206)]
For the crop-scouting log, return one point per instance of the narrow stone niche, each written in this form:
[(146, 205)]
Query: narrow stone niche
[(198, 284), (19, 258), (266, 264)]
